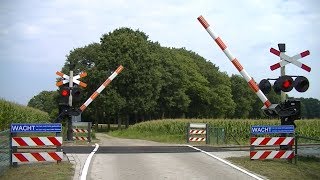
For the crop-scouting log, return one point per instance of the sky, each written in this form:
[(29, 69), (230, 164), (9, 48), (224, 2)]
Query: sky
[(36, 35)]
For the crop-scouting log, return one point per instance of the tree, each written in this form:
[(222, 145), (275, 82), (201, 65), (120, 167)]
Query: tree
[(46, 101), (173, 101), (310, 108), (218, 99), (243, 96), (140, 82)]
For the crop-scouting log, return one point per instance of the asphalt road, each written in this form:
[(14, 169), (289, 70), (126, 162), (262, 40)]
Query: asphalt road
[(138, 160), (141, 149)]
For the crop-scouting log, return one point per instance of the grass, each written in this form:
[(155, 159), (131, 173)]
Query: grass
[(104, 127), (306, 167), (174, 131), (40, 171), (235, 131), (168, 138)]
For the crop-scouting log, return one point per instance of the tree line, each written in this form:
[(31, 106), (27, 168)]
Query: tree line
[(157, 82)]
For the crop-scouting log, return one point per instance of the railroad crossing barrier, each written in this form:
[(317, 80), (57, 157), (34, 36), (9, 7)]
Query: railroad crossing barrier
[(29, 149), (267, 149), (252, 84), (198, 132), (81, 128)]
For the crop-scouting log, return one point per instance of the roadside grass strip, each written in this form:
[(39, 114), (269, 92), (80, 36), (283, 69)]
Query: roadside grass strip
[(226, 162)]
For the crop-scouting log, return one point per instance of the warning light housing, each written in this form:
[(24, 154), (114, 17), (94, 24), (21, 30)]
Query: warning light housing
[(64, 92), (76, 93), (285, 84)]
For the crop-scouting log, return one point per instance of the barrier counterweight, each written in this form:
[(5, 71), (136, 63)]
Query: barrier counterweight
[(235, 62)]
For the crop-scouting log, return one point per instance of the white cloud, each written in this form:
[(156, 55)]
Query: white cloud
[(45, 31), (32, 30)]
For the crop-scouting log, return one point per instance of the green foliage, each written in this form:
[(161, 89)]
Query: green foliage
[(15, 113), (39, 171), (237, 130), (242, 96), (277, 169), (310, 108), (46, 101), (157, 82)]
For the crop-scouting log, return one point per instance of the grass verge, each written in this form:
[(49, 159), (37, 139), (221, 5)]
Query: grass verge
[(40, 171), (221, 131), (167, 138), (306, 167)]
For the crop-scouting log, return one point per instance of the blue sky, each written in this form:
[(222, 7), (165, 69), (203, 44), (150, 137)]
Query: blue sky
[(36, 35)]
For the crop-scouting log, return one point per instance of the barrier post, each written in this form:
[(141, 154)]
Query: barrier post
[(35, 156), (296, 148), (251, 146), (272, 141), (207, 134), (89, 131), (188, 130), (13, 149)]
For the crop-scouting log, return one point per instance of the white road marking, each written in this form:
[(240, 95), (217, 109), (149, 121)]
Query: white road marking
[(226, 162), (86, 165)]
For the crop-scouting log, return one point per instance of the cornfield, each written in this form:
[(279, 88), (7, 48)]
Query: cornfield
[(15, 113), (236, 129)]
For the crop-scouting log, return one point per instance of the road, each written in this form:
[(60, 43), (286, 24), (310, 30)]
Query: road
[(138, 159)]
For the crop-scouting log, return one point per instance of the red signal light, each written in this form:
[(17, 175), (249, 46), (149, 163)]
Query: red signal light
[(283, 83), (65, 92), (287, 83)]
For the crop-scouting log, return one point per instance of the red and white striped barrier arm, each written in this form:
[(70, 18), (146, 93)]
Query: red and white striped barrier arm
[(272, 154), (236, 63), (80, 138), (80, 130), (101, 88), (270, 141), (197, 139), (197, 131), (36, 141), (293, 60), (37, 156)]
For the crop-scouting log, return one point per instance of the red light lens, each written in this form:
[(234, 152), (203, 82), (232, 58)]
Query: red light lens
[(65, 92), (286, 84)]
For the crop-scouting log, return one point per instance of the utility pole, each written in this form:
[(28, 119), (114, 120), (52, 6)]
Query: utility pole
[(282, 49), (69, 94), (69, 130)]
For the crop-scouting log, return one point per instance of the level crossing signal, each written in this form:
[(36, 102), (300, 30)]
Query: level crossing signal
[(76, 93), (285, 83), (64, 94)]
